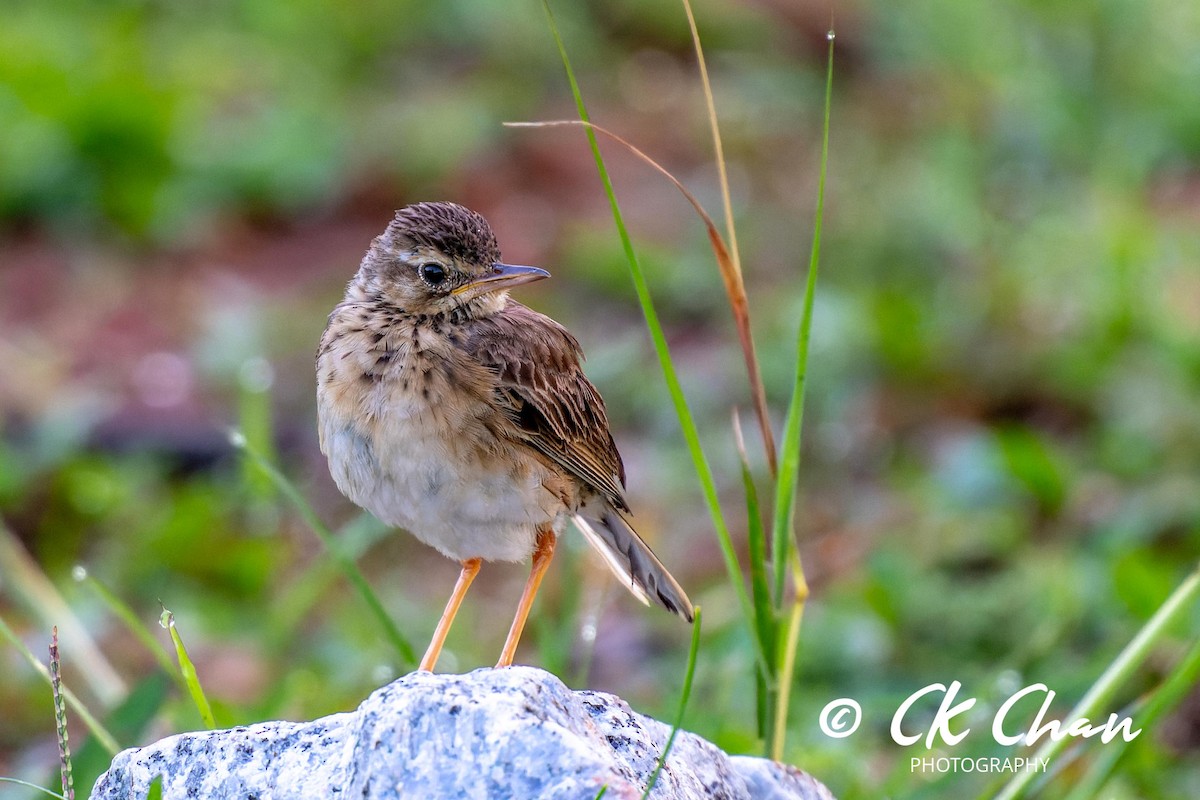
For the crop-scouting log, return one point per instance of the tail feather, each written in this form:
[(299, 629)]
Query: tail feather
[(633, 562)]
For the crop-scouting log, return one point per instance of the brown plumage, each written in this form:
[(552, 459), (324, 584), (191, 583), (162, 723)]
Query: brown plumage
[(463, 416), (542, 388)]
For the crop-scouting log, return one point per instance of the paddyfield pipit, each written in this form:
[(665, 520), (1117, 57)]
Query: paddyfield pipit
[(452, 411)]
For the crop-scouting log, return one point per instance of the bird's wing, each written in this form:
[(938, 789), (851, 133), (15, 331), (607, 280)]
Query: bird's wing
[(543, 390)]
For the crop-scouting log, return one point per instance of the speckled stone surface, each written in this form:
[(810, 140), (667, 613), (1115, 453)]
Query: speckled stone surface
[(509, 733)]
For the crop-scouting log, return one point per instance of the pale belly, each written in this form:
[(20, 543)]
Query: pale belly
[(468, 499)]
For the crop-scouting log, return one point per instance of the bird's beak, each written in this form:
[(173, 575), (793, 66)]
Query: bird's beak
[(502, 276)]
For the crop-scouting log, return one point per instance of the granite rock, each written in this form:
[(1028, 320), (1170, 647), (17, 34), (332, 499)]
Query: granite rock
[(507, 733)]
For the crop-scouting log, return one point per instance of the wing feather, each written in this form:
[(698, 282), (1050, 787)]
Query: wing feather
[(542, 388)]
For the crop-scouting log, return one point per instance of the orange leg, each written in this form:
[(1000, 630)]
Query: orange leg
[(541, 562), (470, 568)]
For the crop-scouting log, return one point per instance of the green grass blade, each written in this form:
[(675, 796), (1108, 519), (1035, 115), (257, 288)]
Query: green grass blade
[(89, 720), (34, 786), (789, 465), (154, 792), (1118, 673), (294, 603), (765, 616), (683, 701), (131, 620), (188, 671), (1178, 684), (332, 545), (756, 535), (691, 433)]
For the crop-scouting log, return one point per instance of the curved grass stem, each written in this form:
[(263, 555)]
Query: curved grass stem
[(687, 422)]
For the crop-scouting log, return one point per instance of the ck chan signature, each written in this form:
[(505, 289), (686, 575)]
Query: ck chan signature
[(841, 718)]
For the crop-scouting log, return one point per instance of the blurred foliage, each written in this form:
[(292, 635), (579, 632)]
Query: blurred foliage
[(1002, 466)]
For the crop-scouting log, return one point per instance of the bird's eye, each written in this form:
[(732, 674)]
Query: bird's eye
[(432, 273)]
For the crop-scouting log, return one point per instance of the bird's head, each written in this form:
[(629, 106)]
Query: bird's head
[(438, 257)]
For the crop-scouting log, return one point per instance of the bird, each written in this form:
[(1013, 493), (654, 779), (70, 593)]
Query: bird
[(450, 410)]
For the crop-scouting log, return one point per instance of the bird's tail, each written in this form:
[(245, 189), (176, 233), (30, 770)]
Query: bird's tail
[(633, 562)]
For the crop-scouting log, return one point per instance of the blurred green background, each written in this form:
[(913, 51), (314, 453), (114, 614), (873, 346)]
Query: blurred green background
[(1001, 476)]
